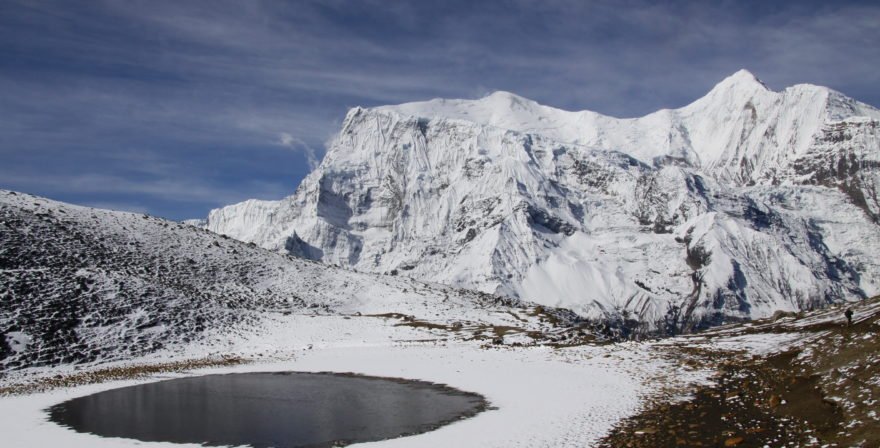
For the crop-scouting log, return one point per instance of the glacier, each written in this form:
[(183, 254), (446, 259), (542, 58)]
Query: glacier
[(745, 202)]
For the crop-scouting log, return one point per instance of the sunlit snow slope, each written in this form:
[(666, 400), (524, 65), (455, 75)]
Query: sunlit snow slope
[(744, 202)]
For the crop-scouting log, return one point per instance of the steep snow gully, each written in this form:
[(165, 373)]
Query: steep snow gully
[(745, 202)]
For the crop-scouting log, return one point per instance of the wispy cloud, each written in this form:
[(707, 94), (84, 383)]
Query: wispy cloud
[(297, 144)]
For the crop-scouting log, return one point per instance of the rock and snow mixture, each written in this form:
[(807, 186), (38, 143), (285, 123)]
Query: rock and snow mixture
[(95, 299), (743, 203), (82, 285), (805, 380)]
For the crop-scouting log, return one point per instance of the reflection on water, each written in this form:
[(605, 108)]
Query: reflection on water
[(268, 409)]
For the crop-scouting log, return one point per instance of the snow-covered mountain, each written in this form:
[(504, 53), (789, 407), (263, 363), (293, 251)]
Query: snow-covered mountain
[(742, 203)]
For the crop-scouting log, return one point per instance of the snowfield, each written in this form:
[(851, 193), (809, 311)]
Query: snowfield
[(541, 396), (545, 397)]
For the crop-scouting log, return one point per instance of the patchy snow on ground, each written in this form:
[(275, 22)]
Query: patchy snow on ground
[(757, 344), (540, 396)]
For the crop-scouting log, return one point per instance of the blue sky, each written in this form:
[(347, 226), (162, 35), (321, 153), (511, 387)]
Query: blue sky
[(173, 108)]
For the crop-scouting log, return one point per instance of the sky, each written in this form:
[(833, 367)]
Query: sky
[(173, 108)]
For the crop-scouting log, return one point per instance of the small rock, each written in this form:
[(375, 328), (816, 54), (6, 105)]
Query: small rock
[(733, 441)]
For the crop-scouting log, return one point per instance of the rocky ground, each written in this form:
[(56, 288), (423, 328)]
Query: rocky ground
[(86, 286), (92, 298), (821, 390)]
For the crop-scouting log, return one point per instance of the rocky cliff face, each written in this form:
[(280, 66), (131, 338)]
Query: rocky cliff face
[(744, 202)]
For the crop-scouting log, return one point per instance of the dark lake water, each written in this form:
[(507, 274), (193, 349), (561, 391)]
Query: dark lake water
[(268, 409)]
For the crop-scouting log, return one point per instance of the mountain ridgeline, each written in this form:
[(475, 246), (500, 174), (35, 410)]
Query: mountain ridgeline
[(745, 202)]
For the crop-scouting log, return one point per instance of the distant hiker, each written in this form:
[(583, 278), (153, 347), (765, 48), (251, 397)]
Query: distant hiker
[(848, 313)]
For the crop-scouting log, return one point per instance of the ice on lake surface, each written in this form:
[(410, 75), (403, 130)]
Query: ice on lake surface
[(288, 409)]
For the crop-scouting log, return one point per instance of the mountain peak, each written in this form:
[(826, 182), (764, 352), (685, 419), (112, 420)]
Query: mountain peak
[(501, 100), (504, 95), (741, 79), (499, 108)]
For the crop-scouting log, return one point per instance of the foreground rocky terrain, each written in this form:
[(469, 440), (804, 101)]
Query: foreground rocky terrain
[(743, 203), (819, 387)]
